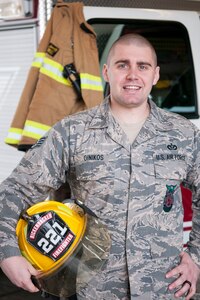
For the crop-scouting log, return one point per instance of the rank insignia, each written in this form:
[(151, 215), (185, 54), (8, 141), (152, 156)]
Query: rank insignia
[(169, 198), (39, 142)]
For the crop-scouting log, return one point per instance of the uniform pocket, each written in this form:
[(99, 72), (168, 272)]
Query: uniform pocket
[(168, 207), (170, 158), (94, 182), (169, 174), (169, 169), (93, 167)]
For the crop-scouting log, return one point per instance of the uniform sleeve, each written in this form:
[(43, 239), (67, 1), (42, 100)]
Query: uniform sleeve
[(194, 181), (42, 169)]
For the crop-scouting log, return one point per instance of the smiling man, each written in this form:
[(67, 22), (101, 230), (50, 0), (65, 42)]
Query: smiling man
[(131, 71), (126, 160)]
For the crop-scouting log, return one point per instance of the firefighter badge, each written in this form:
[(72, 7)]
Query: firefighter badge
[(169, 198)]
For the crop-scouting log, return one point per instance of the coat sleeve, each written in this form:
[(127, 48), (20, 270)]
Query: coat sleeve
[(42, 169), (194, 181)]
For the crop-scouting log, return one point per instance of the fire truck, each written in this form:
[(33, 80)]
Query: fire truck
[(172, 26)]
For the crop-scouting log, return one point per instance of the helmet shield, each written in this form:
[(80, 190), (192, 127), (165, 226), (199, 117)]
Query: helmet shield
[(82, 258)]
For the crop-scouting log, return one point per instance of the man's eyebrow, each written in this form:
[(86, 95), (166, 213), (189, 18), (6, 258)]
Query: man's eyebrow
[(144, 63), (126, 61)]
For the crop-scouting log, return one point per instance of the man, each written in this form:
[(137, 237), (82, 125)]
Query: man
[(126, 160)]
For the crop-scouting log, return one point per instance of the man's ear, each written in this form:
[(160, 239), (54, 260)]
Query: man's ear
[(105, 72), (157, 75)]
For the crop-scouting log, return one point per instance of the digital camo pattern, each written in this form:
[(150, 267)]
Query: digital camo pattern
[(127, 186)]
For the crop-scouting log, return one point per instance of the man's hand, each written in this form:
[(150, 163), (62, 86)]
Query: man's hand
[(186, 271), (19, 271)]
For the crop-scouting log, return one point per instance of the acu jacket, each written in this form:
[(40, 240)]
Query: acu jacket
[(125, 185)]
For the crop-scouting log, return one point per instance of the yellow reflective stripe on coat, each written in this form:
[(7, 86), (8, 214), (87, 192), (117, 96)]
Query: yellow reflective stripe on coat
[(38, 59), (91, 82), (34, 130), (54, 70), (14, 136)]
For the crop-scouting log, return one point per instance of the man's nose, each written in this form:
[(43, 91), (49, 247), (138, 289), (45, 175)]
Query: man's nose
[(132, 72)]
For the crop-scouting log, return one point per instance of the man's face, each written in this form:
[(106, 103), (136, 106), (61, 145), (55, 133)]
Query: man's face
[(131, 71)]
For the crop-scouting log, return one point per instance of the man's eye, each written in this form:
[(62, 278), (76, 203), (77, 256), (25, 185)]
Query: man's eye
[(142, 67), (122, 66)]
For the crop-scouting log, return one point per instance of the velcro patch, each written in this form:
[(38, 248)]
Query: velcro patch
[(52, 49)]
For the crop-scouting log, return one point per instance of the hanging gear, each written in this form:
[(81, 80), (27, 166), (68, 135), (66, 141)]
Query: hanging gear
[(64, 77), (66, 242)]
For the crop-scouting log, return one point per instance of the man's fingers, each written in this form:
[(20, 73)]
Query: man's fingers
[(29, 286), (19, 271)]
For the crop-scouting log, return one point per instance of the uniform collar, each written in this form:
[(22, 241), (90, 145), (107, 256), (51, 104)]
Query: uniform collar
[(158, 121), (101, 119), (104, 119), (159, 118)]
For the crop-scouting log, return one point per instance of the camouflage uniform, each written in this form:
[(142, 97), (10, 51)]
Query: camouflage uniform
[(134, 189)]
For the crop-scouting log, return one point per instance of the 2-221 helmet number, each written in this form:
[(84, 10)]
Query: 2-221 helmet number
[(52, 237)]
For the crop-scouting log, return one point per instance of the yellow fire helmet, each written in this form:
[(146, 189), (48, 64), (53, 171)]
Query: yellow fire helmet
[(66, 242)]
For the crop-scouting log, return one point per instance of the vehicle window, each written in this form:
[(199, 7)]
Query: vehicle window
[(176, 90)]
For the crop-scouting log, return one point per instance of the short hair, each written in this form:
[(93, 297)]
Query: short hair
[(132, 38)]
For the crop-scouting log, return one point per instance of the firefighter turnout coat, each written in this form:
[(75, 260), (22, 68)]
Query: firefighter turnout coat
[(48, 96)]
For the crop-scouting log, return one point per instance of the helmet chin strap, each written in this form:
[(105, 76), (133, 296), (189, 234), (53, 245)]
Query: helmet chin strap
[(85, 208), (25, 216)]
